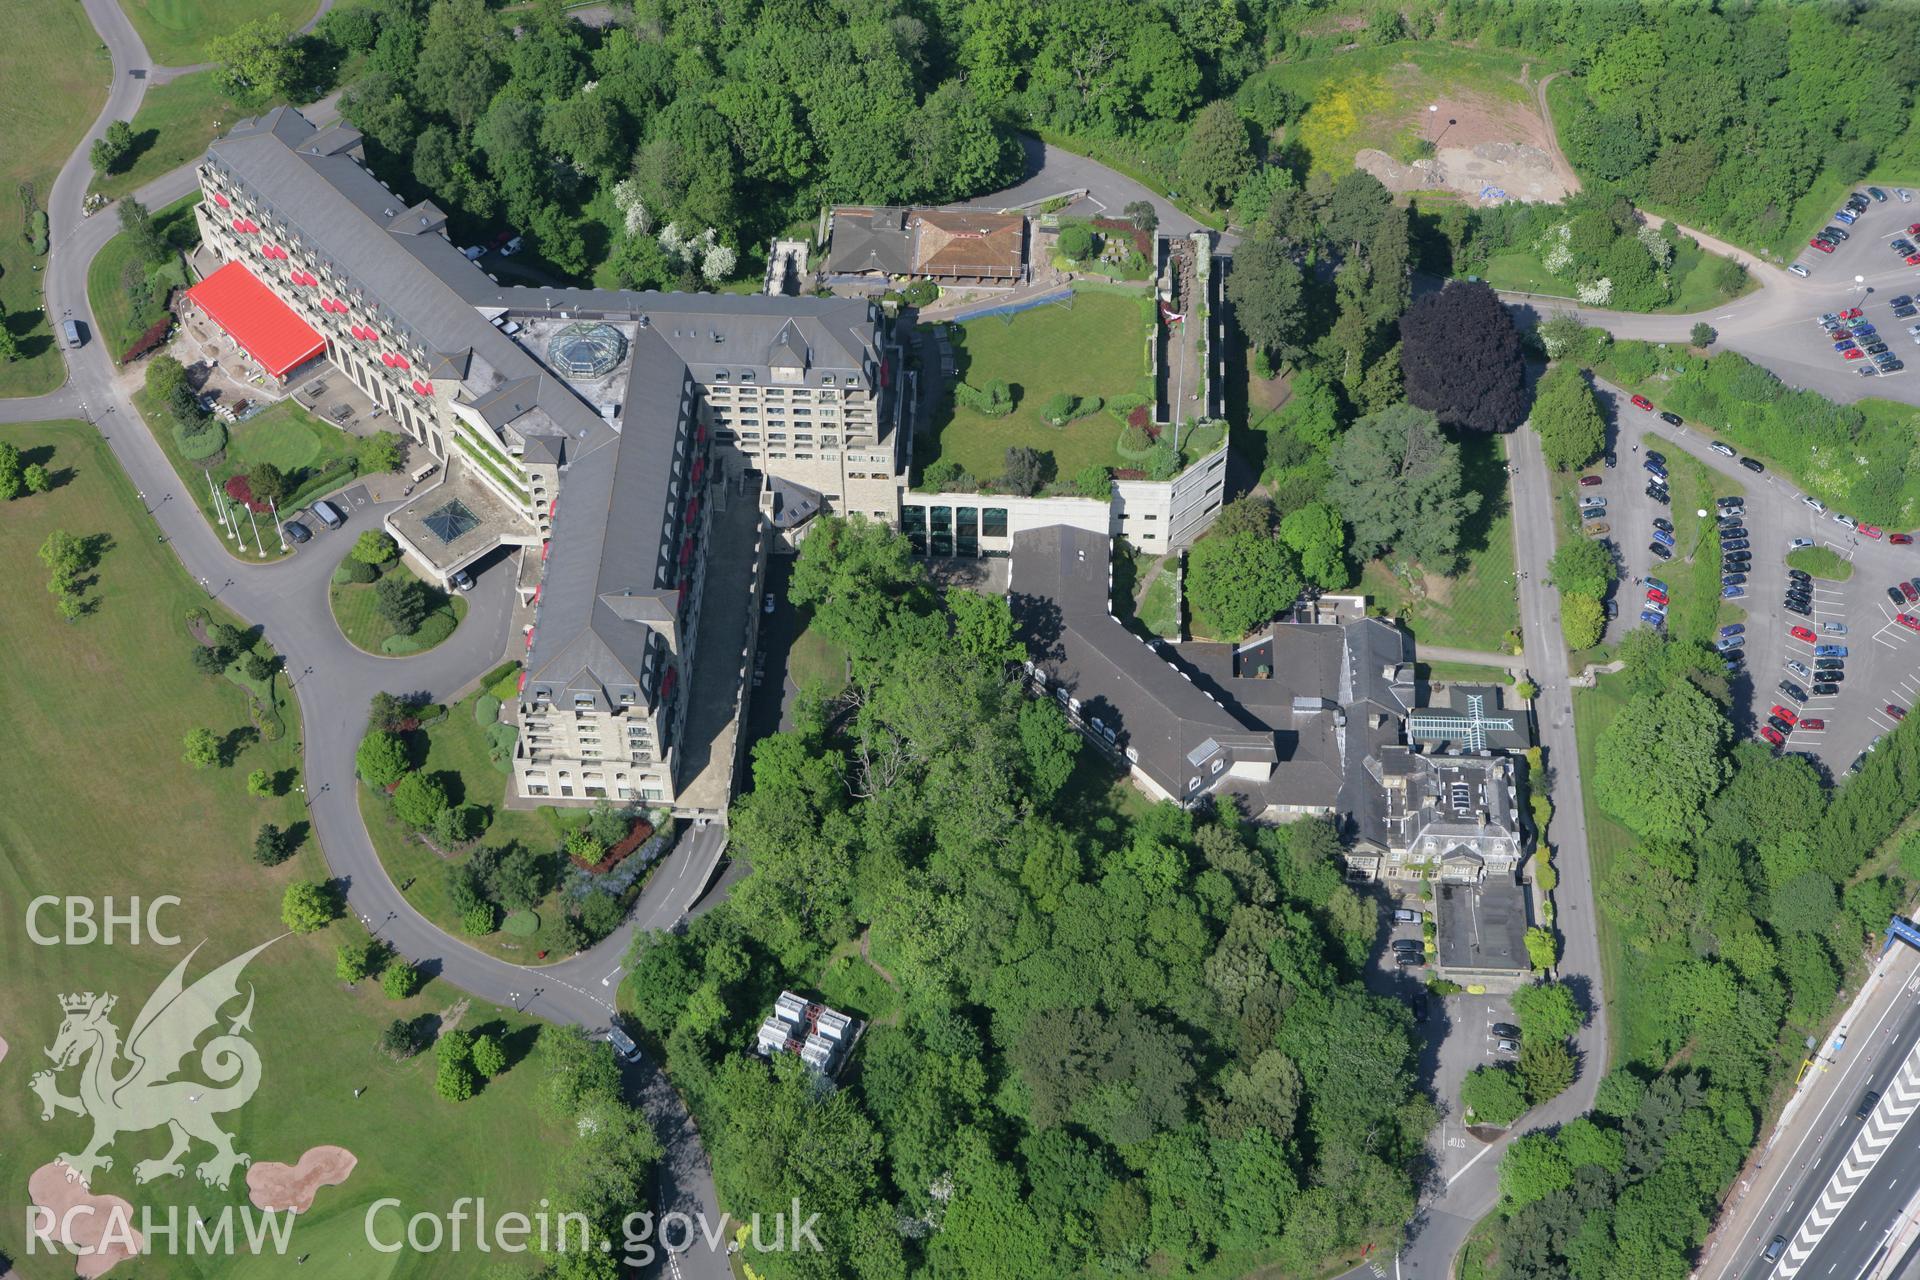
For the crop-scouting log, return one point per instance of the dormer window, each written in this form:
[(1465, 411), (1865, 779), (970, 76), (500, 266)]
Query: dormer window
[(719, 375)]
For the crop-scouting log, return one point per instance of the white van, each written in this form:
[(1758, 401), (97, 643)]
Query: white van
[(328, 514), (623, 1046)]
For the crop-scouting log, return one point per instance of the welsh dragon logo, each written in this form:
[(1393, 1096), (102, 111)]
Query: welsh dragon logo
[(132, 1087)]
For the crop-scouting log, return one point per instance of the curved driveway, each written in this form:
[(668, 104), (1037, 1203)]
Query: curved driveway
[(288, 599)]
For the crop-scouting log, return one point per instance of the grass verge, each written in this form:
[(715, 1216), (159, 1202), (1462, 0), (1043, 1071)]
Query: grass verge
[(176, 32), (128, 293), (1696, 610), (1821, 562), (174, 124), (53, 81), (1476, 607), (97, 712)]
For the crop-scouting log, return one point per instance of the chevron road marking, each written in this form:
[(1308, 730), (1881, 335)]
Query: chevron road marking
[(1895, 1108)]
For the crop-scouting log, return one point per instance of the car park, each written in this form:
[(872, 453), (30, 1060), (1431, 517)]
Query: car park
[(1641, 402)]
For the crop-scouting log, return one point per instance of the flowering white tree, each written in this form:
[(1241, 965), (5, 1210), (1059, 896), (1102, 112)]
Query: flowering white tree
[(719, 262), (1558, 255), (1596, 293), (1658, 247), (626, 198)]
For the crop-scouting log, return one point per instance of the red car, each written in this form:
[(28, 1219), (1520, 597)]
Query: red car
[(1656, 595), (1772, 735), (1898, 713), (1790, 716), (1813, 725), (1908, 621), (1871, 530), (1851, 313), (1913, 259), (1641, 402), (1854, 354), (1801, 634), (1900, 539), (1589, 480), (1821, 245), (1908, 590)]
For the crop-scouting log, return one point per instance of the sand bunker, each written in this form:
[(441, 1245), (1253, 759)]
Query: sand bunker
[(68, 1223), (291, 1186)]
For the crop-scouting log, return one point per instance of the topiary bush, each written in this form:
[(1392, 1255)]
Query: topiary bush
[(198, 446), (486, 709)]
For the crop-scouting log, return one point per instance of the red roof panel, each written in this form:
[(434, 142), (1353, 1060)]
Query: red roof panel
[(271, 331)]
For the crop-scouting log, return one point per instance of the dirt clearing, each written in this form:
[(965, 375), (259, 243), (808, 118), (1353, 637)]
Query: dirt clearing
[(1487, 151)]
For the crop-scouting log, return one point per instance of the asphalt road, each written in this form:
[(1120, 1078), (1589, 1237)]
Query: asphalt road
[(335, 681), (1049, 172)]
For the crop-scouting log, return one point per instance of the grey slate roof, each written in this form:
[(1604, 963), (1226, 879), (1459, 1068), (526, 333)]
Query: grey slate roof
[(1058, 591), (871, 240)]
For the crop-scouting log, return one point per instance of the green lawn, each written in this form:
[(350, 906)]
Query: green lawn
[(176, 32), (852, 985), (53, 80), (1096, 347), (1377, 97), (1476, 607), (1694, 572), (362, 623), (1461, 673), (1821, 562), (281, 430), (118, 264), (97, 712), (816, 659), (1159, 605), (1593, 710), (174, 124), (455, 751)]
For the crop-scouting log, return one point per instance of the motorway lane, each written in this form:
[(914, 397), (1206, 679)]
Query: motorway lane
[(1789, 1180)]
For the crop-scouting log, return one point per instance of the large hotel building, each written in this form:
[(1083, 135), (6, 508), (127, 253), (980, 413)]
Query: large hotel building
[(598, 430)]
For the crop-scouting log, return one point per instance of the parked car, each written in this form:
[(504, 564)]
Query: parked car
[(1900, 539), (1732, 593), (1659, 470), (1830, 651), (1657, 597), (1641, 402), (1834, 628), (1847, 521), (1734, 544), (1812, 724), (1655, 582), (1725, 450), (1507, 1046), (1908, 620), (1730, 643), (1793, 691), (1808, 500), (1845, 344), (1778, 725), (1897, 712), (1773, 736), (1659, 552), (1663, 537), (1801, 634), (1734, 629), (328, 514), (1798, 543), (1657, 491), (1653, 617), (1752, 464), (1821, 245), (1800, 669), (462, 580), (1590, 480), (1661, 522), (297, 531), (1829, 664), (1785, 713), (1799, 270), (1855, 354)]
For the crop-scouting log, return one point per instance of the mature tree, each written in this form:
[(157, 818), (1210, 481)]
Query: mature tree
[(375, 546), (37, 478), (403, 601), (1533, 1167), (381, 758), (1581, 566), (1543, 949), (1460, 356), (418, 800), (138, 226), (1265, 291), (983, 626), (489, 1059), (457, 824), (112, 147), (1397, 481), (13, 480), (1217, 155), (1702, 334), (272, 845), (266, 482), (1546, 1067), (1141, 214), (307, 907), (399, 979), (1661, 759), (1583, 620), (257, 60), (454, 1080), (1076, 241), (203, 748), (1237, 581), (1492, 1096), (353, 961), (1572, 432), (380, 452), (1026, 470), (400, 1040), (9, 345), (1318, 537), (260, 783), (1546, 1011)]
